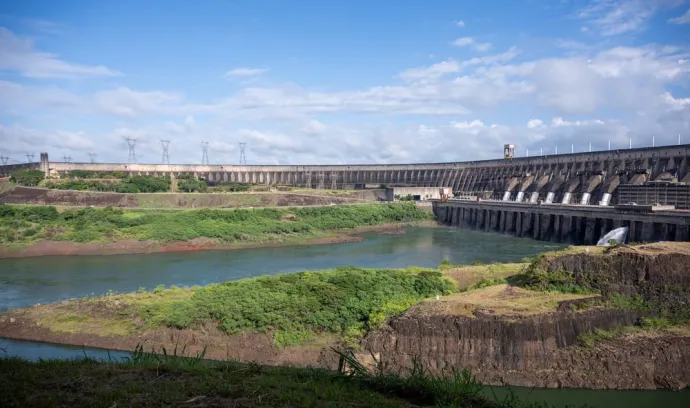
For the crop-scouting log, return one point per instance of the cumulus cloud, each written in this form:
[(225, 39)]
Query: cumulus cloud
[(460, 24), (535, 124), (17, 54), (245, 72)]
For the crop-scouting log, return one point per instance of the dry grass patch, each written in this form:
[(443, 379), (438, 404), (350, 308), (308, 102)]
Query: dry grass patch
[(500, 299), (65, 322), (467, 276)]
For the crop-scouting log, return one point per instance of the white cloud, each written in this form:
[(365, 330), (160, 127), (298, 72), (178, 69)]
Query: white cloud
[(482, 47), (675, 103), (535, 124), (466, 41), (17, 54), (433, 71), (245, 72), (460, 23), (126, 102), (615, 17), (684, 19), (463, 41), (560, 122)]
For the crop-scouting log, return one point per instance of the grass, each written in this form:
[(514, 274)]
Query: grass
[(151, 380), (590, 339), (80, 323), (466, 277), (26, 224), (501, 298)]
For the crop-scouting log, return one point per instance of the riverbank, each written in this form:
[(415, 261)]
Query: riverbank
[(40, 231), (514, 324), (123, 247)]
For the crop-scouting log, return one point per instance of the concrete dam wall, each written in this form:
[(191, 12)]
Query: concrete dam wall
[(580, 178), (573, 224)]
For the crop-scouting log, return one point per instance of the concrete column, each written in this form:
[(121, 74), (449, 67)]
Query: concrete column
[(590, 239), (494, 220), (502, 222), (510, 222), (536, 230), (556, 234), (647, 234), (682, 233)]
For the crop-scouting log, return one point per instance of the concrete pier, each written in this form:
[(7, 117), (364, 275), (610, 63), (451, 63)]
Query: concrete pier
[(572, 224)]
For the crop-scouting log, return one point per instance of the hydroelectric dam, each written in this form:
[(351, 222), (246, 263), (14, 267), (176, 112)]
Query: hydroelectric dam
[(566, 197)]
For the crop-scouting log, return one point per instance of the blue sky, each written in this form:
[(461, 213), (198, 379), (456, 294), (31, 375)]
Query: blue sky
[(341, 81)]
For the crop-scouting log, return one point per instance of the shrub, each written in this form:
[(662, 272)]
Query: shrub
[(190, 184), (343, 300), (27, 177)]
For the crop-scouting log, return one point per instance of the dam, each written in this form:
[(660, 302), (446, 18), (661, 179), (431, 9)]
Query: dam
[(602, 177), (572, 198)]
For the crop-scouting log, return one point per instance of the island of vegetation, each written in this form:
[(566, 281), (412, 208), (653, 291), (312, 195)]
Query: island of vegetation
[(47, 230)]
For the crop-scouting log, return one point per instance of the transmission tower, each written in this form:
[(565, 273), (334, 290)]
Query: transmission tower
[(243, 155), (67, 158), (30, 157), (165, 144), (204, 153), (92, 157), (4, 160), (131, 144)]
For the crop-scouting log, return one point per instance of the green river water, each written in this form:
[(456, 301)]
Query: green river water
[(27, 281)]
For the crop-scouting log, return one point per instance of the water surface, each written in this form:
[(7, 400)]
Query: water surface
[(27, 281)]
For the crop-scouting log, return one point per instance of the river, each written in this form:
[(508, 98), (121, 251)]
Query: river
[(27, 281)]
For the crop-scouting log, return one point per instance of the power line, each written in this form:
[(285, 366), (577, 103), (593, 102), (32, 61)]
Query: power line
[(92, 157), (131, 144), (165, 144), (67, 158), (243, 155), (204, 153), (30, 157)]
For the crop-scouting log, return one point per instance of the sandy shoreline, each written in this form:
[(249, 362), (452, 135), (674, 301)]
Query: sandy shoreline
[(56, 248)]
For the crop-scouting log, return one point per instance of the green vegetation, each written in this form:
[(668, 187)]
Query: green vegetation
[(590, 339), (191, 184), (408, 197), (91, 174), (554, 281), (29, 178), (133, 184), (231, 188), (226, 226), (486, 282), (151, 380), (345, 301)]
